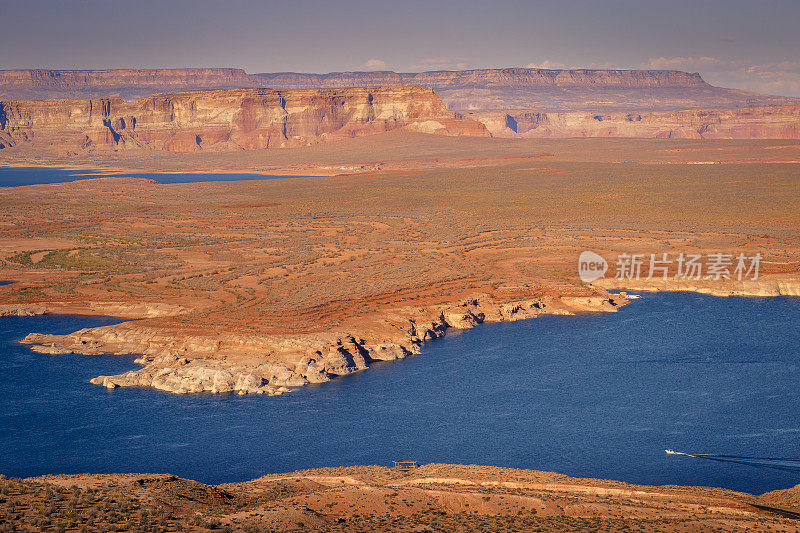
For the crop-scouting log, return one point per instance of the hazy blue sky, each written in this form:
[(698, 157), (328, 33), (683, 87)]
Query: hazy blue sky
[(751, 44)]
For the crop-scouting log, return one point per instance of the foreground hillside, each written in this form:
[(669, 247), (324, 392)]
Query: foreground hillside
[(435, 497)]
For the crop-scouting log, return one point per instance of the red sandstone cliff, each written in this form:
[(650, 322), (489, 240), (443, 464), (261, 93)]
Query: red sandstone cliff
[(776, 122), (228, 119)]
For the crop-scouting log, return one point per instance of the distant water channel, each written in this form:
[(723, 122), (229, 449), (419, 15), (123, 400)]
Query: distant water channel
[(18, 176), (592, 396)]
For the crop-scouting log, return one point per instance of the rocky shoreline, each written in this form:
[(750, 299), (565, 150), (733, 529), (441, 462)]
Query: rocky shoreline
[(179, 362), (273, 365)]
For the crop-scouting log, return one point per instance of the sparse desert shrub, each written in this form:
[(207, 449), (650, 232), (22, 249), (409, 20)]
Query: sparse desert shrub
[(212, 523), (250, 527)]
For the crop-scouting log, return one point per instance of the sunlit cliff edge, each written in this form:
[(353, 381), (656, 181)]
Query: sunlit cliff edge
[(225, 120)]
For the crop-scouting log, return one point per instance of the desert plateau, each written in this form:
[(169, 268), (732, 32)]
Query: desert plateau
[(261, 286)]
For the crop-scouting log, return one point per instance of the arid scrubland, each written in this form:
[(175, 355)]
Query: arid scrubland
[(435, 497), (264, 285)]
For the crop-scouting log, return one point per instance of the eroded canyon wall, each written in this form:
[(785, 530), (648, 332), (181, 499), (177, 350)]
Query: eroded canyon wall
[(774, 122), (239, 119)]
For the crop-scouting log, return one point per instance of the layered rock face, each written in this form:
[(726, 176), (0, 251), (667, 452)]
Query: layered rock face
[(526, 88), (778, 122), (490, 78), (41, 84), (228, 119), (510, 88)]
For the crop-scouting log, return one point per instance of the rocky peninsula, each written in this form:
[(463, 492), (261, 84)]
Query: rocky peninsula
[(273, 364)]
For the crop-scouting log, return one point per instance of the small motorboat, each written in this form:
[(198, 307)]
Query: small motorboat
[(670, 451)]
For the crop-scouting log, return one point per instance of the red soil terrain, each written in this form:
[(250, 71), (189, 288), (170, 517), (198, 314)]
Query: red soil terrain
[(435, 497)]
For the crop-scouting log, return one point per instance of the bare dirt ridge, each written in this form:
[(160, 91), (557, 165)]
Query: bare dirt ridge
[(434, 497)]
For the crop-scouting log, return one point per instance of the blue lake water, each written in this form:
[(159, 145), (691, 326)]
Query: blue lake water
[(591, 395), (17, 176)]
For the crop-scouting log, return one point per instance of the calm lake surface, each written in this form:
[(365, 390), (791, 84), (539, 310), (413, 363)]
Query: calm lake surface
[(17, 176), (592, 395)]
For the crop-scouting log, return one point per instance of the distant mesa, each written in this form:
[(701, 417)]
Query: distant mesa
[(225, 109), (768, 122), (508, 88), (129, 84)]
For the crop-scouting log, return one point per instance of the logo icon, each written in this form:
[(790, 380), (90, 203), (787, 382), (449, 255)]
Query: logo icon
[(591, 266)]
